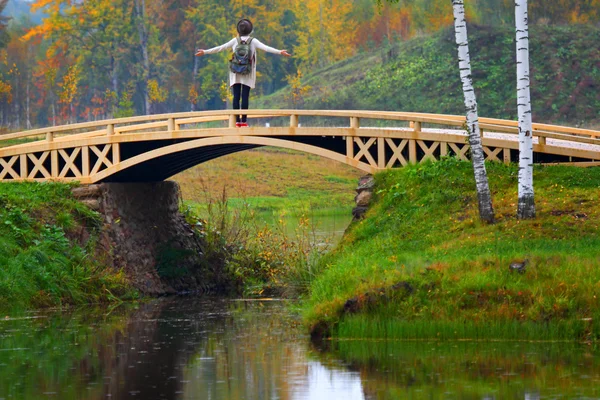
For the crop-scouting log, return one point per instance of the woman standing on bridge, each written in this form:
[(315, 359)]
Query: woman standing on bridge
[(242, 74)]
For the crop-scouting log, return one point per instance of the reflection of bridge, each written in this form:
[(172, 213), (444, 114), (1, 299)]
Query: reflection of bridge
[(155, 147)]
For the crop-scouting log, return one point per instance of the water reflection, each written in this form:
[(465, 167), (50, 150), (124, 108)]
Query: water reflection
[(471, 370), (169, 349), (216, 349)]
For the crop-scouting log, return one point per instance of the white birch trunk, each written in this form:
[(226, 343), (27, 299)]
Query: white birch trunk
[(526, 207), (486, 211)]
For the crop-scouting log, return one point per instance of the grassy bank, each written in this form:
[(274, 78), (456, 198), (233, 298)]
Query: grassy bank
[(421, 265), (48, 250)]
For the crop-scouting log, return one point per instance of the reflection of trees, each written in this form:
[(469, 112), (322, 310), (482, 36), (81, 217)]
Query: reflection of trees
[(252, 354), (167, 349), (470, 370), (56, 352)]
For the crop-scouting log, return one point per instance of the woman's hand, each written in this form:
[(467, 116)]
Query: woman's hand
[(199, 52), (285, 53)]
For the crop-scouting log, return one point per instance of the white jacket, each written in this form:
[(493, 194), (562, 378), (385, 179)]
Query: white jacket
[(250, 79)]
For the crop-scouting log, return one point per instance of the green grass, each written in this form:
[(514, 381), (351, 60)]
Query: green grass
[(421, 75), (44, 260), (423, 233)]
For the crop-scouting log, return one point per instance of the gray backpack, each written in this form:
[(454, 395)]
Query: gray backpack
[(242, 58)]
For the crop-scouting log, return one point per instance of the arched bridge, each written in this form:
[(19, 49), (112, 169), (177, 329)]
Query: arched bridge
[(155, 147)]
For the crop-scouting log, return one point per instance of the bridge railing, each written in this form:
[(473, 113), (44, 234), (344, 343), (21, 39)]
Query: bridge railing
[(178, 122)]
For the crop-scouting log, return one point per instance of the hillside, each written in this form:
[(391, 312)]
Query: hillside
[(421, 75), (422, 265)]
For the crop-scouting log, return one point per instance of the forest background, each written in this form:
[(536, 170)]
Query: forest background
[(64, 61)]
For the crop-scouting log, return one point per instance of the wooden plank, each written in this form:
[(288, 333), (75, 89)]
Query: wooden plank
[(451, 120), (70, 163), (54, 163), (139, 127), (85, 161), (24, 169), (8, 168), (364, 150), (397, 152)]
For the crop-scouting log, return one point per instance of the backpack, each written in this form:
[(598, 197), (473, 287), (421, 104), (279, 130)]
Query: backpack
[(241, 60)]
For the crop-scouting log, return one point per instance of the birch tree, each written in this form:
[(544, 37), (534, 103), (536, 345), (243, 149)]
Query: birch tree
[(526, 206), (484, 197)]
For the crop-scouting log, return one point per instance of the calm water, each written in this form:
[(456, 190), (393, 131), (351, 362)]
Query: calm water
[(184, 348)]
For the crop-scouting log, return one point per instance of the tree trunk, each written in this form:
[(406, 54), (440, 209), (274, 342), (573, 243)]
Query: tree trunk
[(28, 109), (486, 211), (526, 207), (53, 113), (140, 6), (194, 75), (17, 103)]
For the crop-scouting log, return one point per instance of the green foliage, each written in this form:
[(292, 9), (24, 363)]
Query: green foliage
[(169, 261), (125, 107), (41, 263), (256, 258), (423, 232), (421, 75)]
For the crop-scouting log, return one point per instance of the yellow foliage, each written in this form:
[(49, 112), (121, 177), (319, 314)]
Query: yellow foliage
[(193, 95), (298, 91), (70, 84), (5, 91), (224, 92), (155, 92)]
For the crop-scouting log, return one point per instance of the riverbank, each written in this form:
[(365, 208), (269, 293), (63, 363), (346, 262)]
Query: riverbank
[(421, 265), (50, 254)]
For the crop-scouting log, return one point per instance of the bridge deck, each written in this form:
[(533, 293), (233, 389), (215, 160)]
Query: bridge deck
[(154, 147)]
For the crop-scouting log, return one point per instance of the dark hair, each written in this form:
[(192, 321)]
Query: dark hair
[(244, 27)]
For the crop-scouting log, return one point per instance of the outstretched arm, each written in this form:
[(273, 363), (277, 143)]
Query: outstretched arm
[(269, 49), (201, 52)]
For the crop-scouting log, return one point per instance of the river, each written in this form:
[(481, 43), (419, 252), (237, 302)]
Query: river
[(198, 348)]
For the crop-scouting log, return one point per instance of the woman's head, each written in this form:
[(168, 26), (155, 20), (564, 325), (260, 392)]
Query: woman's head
[(244, 27)]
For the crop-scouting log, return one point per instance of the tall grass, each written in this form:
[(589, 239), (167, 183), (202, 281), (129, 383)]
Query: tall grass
[(44, 259), (258, 258), (423, 231)]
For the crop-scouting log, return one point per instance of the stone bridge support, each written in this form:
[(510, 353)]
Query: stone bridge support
[(145, 234)]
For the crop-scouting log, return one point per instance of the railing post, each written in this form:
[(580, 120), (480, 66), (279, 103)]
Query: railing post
[(171, 124), (416, 126), (412, 151), (110, 129), (54, 163), (412, 143), (506, 154), (354, 122), (293, 121), (24, 169), (232, 118), (50, 136), (542, 140), (381, 153)]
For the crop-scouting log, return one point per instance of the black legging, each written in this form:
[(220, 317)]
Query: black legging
[(242, 91)]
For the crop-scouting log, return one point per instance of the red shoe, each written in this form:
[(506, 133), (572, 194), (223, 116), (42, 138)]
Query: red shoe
[(243, 125), (238, 124)]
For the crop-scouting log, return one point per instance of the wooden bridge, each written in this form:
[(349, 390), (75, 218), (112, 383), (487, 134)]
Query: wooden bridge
[(155, 147)]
